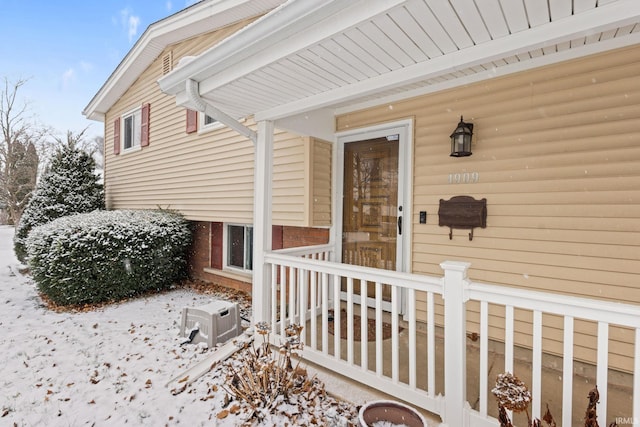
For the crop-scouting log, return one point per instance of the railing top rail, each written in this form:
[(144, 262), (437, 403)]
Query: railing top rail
[(564, 305), (407, 280), (305, 250)]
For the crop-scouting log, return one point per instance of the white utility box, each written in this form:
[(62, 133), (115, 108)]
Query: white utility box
[(217, 322)]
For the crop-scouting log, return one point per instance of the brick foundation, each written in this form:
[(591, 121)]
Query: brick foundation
[(199, 253), (294, 237)]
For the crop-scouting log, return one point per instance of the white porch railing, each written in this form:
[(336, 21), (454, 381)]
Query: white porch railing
[(607, 316), (320, 295)]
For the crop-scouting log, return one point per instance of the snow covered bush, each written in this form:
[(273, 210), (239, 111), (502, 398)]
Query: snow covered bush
[(108, 255), (69, 186)]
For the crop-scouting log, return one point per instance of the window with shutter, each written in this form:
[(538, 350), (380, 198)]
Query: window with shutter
[(133, 129), (192, 121), (231, 247)]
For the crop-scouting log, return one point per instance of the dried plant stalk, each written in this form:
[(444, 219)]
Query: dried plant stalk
[(591, 415), (266, 377)]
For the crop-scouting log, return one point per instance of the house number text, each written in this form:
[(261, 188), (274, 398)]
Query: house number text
[(464, 178)]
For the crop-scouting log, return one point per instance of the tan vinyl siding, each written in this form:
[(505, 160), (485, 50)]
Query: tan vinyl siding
[(321, 188), (289, 180), (206, 176), (557, 152)]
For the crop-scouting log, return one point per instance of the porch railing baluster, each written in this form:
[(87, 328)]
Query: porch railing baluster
[(283, 298), (350, 320), (325, 313), (567, 369), (484, 356), (336, 316), (364, 327), (274, 296), (304, 292), (431, 345), (313, 303), (379, 350), (603, 367), (411, 309), (508, 342), (508, 338), (395, 348), (536, 369), (293, 290)]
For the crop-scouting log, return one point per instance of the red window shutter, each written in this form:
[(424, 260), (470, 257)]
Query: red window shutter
[(192, 121), (277, 237), (116, 136), (216, 245), (144, 125)]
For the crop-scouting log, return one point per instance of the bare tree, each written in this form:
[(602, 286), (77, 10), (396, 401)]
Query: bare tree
[(21, 142), (98, 142)]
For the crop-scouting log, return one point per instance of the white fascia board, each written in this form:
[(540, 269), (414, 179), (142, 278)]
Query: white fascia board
[(156, 37), (618, 14), (287, 29)]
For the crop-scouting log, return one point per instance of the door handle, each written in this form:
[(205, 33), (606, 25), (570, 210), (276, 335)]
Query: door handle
[(400, 224)]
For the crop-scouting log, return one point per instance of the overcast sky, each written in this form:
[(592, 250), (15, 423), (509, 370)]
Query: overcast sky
[(68, 48)]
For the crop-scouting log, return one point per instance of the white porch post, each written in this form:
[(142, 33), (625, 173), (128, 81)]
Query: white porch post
[(262, 203), (455, 360)]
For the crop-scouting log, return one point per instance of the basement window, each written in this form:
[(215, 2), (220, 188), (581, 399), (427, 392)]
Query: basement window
[(239, 251)]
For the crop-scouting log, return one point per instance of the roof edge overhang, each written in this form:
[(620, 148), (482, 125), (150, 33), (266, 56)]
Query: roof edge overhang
[(163, 33)]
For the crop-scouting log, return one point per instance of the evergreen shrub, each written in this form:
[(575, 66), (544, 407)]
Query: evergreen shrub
[(69, 186), (107, 256)]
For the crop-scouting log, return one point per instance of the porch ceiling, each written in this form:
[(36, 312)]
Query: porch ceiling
[(347, 55)]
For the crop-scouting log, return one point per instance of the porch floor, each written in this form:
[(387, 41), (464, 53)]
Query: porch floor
[(619, 386)]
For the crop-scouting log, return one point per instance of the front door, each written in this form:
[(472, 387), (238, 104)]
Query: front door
[(372, 203)]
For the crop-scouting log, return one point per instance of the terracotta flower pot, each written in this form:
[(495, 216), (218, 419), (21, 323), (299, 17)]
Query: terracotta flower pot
[(389, 411)]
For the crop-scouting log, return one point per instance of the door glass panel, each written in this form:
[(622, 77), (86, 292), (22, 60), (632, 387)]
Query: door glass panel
[(370, 205)]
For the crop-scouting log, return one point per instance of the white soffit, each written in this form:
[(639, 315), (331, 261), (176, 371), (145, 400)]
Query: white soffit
[(348, 55)]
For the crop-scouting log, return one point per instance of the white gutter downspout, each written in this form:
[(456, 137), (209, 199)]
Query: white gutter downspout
[(204, 107)]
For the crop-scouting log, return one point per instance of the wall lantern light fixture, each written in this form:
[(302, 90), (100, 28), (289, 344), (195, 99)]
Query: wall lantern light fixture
[(461, 139)]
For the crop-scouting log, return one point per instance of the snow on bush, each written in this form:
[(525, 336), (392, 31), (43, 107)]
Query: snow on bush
[(108, 255)]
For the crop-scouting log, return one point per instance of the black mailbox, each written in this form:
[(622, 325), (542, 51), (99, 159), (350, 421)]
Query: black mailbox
[(463, 212)]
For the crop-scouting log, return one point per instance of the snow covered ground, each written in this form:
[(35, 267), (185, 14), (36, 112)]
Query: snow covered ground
[(110, 367)]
